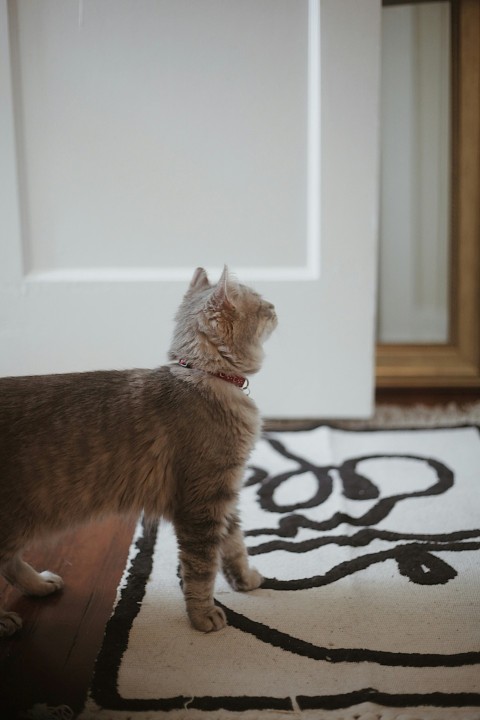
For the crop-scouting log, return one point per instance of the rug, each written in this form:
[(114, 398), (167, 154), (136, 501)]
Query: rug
[(369, 545)]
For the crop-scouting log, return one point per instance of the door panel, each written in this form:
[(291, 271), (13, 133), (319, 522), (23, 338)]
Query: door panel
[(142, 139)]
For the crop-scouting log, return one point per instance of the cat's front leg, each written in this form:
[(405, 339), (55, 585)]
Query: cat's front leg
[(199, 563), (235, 565)]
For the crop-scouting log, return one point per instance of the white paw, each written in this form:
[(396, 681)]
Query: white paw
[(50, 583), (10, 622), (208, 620)]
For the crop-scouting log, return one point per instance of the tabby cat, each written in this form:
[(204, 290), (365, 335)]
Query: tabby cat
[(170, 442)]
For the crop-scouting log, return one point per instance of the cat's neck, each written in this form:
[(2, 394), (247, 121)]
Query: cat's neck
[(238, 380)]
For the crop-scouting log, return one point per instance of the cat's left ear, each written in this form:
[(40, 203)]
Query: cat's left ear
[(199, 280), (221, 296)]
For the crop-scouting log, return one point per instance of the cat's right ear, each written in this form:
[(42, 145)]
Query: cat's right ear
[(199, 280)]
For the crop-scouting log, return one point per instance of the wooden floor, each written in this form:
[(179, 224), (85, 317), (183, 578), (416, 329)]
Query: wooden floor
[(50, 661)]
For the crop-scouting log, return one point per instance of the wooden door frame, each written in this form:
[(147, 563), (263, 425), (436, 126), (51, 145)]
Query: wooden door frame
[(457, 362)]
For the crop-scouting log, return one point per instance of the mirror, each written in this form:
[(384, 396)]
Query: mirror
[(414, 272)]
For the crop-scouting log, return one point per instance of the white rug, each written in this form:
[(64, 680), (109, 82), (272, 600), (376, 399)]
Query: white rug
[(369, 542)]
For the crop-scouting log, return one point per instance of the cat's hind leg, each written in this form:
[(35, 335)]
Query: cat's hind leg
[(235, 565), (29, 581), (10, 622)]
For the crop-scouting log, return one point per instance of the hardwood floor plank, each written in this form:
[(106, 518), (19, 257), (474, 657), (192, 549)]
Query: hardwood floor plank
[(51, 660)]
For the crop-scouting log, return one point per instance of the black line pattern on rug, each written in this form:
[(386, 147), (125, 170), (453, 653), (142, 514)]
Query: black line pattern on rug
[(104, 689), (295, 645), (414, 558), (104, 682), (415, 561), (338, 702)]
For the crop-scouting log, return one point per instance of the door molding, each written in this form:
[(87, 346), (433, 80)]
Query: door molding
[(457, 362)]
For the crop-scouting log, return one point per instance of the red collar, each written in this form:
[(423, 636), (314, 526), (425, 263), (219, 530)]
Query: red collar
[(237, 380)]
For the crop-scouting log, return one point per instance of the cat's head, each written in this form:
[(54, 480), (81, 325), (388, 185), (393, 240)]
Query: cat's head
[(222, 327)]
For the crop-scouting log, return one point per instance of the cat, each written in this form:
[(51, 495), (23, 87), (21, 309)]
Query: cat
[(172, 442)]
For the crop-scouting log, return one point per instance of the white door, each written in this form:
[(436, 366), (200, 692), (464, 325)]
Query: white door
[(141, 138)]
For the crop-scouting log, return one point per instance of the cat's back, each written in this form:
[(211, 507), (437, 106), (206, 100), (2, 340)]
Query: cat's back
[(34, 396), (116, 413), (46, 411)]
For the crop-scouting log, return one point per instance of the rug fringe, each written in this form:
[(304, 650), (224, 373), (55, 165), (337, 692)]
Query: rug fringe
[(393, 416), (41, 711), (421, 415)]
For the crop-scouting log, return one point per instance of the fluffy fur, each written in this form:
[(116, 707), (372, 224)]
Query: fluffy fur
[(171, 442)]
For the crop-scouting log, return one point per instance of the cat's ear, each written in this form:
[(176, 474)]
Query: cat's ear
[(199, 280), (221, 296)]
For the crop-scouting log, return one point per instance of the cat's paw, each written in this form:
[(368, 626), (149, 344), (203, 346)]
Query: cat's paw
[(250, 580), (208, 620), (10, 622), (48, 583)]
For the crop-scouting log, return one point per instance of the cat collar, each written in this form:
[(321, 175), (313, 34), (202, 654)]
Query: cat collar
[(237, 380)]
